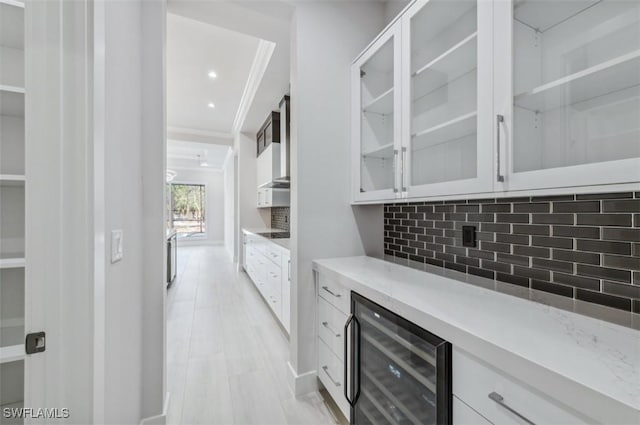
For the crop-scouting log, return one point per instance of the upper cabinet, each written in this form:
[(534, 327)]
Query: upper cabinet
[(447, 90), (269, 132), (376, 119), (568, 87), (480, 96)]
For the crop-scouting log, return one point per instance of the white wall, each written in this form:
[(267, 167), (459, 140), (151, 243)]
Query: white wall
[(215, 199), (326, 37), (229, 204), (247, 190)]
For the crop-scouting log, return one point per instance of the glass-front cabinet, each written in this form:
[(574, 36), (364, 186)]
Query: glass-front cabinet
[(376, 119), (447, 105), (568, 86), (483, 96)]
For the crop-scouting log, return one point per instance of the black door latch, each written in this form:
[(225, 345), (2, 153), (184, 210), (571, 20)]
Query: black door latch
[(35, 342)]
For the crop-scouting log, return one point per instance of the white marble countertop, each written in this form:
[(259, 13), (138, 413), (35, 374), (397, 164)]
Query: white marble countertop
[(283, 242), (551, 349)]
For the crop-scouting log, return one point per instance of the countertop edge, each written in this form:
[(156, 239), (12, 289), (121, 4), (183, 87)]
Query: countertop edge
[(278, 242), (582, 398)]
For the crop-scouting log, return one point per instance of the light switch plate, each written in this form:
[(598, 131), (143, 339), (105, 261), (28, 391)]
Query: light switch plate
[(116, 246)]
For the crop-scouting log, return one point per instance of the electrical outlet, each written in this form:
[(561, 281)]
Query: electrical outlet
[(469, 236), (117, 251)]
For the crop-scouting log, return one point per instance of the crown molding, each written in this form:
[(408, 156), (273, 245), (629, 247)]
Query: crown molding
[(258, 68)]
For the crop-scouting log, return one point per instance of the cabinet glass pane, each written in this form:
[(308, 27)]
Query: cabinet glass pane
[(377, 102), (576, 82), (444, 46), (398, 372)]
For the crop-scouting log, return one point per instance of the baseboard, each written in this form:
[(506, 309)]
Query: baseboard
[(302, 384), (160, 419)]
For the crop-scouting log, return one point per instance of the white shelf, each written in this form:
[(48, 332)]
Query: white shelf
[(15, 3), (384, 151), (12, 180), (454, 129), (12, 353), (11, 101), (382, 104), (607, 77), (12, 24), (450, 65), (12, 263)]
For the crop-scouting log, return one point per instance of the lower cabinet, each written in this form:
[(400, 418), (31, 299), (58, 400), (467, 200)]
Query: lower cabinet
[(500, 398), (267, 264), (465, 415)]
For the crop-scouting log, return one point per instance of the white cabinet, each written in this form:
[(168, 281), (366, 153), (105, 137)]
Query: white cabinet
[(502, 399), (483, 97), (268, 266), (12, 207), (286, 291), (568, 86), (268, 164), (273, 197)]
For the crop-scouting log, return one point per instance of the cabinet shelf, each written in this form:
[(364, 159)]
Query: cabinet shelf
[(542, 17), (608, 77), (454, 129), (382, 104), (449, 66), (12, 263), (12, 180), (11, 353), (383, 152), (11, 101)]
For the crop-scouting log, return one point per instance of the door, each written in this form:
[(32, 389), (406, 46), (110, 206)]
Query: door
[(400, 373), (447, 98), (376, 119), (568, 86)]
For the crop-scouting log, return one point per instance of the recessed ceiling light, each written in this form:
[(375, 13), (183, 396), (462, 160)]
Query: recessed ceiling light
[(212, 74), (211, 105)]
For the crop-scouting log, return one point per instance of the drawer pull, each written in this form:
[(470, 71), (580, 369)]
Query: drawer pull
[(326, 325), (326, 370), (326, 288), (500, 400)]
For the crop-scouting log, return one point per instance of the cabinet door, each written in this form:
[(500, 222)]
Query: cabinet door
[(286, 291), (376, 119), (568, 86), (447, 98)]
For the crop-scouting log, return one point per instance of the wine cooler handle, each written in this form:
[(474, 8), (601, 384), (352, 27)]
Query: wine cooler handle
[(357, 364), (500, 401), (346, 359)]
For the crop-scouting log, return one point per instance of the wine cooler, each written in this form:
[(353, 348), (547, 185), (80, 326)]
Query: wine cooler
[(396, 372)]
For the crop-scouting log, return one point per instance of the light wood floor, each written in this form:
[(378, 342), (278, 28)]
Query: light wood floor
[(226, 353)]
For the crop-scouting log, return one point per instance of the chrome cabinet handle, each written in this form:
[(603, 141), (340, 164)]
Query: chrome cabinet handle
[(326, 325), (403, 159), (326, 288), (499, 120), (326, 370), (500, 401), (395, 174)]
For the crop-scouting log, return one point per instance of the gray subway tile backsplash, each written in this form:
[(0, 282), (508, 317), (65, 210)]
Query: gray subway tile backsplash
[(585, 247), (280, 218)]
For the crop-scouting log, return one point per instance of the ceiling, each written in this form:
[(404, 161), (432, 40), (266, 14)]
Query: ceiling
[(190, 155), (267, 20), (194, 49)]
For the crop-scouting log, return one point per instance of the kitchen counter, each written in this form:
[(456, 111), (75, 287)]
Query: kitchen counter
[(283, 242), (589, 364)]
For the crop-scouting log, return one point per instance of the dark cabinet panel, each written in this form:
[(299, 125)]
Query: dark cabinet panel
[(269, 132)]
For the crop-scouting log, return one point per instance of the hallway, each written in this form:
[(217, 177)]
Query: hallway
[(226, 354)]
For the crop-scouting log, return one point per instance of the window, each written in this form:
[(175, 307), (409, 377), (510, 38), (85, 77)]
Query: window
[(187, 209)]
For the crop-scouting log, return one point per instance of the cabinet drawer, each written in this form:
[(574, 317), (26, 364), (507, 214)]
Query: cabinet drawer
[(331, 374), (273, 254), (464, 415), (474, 381), (331, 327), (336, 294)]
